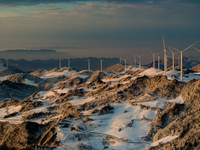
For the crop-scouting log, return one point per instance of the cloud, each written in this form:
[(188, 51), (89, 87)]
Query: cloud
[(55, 47), (37, 2)]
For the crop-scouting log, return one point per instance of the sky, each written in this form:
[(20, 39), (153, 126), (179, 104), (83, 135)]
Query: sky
[(100, 28)]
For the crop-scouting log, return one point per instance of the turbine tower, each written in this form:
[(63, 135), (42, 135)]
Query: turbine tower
[(120, 59), (172, 56), (165, 59), (135, 60), (88, 64), (196, 48), (153, 58), (125, 64), (68, 62), (154, 66), (182, 57), (140, 59), (59, 63), (101, 64), (7, 63), (158, 62)]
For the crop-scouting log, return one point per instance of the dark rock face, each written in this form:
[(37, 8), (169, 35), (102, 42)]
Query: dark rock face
[(21, 136), (27, 135), (19, 91), (184, 124)]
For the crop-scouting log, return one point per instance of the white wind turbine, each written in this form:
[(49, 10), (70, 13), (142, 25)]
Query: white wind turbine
[(125, 65), (59, 63), (172, 56), (135, 60), (158, 62), (182, 57), (88, 64), (101, 64), (153, 58), (196, 48), (68, 62), (159, 59), (165, 59), (140, 60), (7, 63), (154, 66)]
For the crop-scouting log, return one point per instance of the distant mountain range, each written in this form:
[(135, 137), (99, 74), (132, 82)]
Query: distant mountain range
[(76, 63), (187, 63), (82, 63), (33, 54)]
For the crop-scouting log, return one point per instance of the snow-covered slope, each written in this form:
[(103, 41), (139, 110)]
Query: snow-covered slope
[(124, 110)]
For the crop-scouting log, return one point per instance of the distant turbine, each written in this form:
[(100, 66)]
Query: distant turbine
[(165, 59), (159, 59), (88, 64), (7, 63), (125, 64), (140, 60), (135, 60), (172, 56), (68, 62), (120, 59), (196, 48), (154, 57), (59, 63), (101, 64), (182, 57)]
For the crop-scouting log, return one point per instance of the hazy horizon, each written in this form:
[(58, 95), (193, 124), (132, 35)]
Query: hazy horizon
[(106, 28)]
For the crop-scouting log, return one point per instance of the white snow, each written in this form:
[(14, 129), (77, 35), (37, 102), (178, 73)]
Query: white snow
[(64, 90), (150, 72), (77, 101), (56, 74), (159, 102), (110, 123), (30, 82), (45, 94), (164, 140), (82, 76)]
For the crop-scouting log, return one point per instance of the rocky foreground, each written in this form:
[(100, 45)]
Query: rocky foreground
[(132, 109)]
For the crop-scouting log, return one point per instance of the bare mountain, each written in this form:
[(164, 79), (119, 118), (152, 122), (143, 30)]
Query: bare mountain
[(77, 63)]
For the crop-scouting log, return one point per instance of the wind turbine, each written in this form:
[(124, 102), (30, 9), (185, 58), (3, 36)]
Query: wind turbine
[(172, 56), (196, 48), (125, 64), (7, 63), (59, 63), (135, 60), (101, 64), (140, 59), (68, 62), (182, 57), (165, 59), (159, 59), (88, 64), (153, 58)]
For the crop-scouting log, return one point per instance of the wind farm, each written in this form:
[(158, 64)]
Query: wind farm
[(99, 75)]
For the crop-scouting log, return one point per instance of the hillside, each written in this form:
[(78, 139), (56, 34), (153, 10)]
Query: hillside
[(187, 63), (132, 109), (77, 63)]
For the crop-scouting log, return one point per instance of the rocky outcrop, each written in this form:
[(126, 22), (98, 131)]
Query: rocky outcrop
[(16, 90), (27, 135)]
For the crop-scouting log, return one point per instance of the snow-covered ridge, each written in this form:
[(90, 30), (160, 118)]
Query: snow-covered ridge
[(113, 110)]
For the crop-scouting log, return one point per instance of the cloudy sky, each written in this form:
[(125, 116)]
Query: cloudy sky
[(100, 27)]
